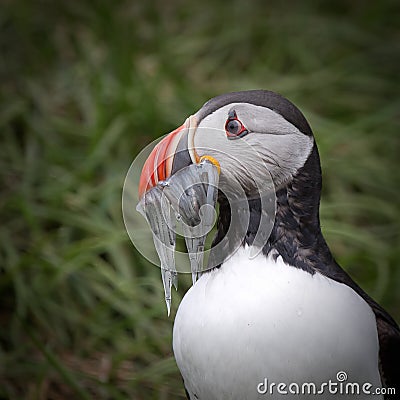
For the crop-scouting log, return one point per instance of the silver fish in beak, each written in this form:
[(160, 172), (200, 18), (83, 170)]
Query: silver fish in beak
[(178, 188)]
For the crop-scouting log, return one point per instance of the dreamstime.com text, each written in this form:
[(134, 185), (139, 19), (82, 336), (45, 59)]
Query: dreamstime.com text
[(340, 386)]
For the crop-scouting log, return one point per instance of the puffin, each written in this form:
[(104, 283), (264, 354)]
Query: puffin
[(262, 324)]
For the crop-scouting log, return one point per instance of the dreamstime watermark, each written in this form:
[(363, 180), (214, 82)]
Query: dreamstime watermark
[(339, 386)]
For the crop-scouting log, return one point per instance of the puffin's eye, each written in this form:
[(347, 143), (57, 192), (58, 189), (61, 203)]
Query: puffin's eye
[(234, 128)]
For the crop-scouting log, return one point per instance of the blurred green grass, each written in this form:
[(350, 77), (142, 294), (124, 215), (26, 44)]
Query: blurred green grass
[(85, 85)]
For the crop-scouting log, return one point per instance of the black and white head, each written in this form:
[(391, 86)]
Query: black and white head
[(237, 130)]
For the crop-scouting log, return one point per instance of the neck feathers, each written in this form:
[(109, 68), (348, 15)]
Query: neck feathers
[(296, 234)]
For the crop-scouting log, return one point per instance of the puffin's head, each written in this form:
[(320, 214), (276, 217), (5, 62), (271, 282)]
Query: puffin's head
[(236, 131), (263, 149)]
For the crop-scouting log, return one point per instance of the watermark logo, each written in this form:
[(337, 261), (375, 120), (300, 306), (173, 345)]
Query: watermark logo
[(341, 385)]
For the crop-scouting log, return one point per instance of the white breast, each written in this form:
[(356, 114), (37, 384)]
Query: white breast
[(260, 318)]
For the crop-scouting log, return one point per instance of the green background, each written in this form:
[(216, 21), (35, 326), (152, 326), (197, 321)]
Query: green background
[(86, 84)]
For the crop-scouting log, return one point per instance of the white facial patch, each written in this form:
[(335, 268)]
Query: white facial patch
[(281, 147)]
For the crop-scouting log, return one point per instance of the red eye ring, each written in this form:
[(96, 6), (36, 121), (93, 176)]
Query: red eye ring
[(233, 127)]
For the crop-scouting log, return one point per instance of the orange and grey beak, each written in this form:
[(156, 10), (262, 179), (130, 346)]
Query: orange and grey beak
[(173, 153)]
